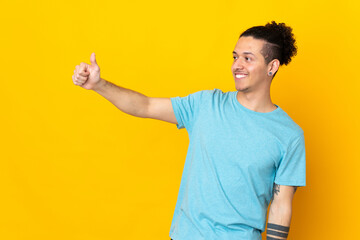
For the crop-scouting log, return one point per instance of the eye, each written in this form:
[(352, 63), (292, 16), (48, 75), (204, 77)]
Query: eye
[(247, 58), (234, 57)]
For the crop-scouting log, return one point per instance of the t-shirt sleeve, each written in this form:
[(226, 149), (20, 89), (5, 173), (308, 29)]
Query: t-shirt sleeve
[(186, 109), (292, 168)]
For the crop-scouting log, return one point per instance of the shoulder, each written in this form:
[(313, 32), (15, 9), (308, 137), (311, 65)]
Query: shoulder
[(219, 94), (208, 95), (290, 127)]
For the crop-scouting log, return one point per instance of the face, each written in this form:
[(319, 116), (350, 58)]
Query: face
[(249, 68)]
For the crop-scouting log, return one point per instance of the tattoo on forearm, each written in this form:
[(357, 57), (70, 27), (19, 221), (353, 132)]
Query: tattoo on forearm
[(270, 238), (277, 234), (278, 227), (275, 231), (276, 190)]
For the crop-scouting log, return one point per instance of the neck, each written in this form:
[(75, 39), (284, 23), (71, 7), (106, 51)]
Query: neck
[(256, 101)]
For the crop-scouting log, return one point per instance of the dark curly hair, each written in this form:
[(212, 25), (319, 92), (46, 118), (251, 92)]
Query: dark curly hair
[(280, 41)]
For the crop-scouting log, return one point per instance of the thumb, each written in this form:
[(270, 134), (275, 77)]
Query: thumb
[(92, 59)]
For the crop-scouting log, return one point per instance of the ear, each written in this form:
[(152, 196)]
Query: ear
[(273, 66)]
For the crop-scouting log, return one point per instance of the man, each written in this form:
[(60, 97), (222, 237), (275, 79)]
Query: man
[(244, 150)]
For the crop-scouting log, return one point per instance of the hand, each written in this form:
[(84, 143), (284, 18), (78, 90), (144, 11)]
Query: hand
[(87, 76)]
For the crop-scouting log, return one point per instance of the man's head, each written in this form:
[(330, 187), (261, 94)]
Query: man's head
[(259, 52)]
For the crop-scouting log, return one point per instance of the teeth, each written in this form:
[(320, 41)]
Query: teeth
[(240, 76)]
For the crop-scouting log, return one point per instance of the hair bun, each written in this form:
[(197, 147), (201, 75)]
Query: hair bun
[(287, 43)]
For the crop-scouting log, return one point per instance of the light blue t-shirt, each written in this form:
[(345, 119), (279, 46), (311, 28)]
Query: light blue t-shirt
[(235, 155)]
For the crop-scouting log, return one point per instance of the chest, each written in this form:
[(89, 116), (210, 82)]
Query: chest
[(237, 142)]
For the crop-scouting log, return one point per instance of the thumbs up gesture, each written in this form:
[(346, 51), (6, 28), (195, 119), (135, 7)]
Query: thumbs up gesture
[(87, 76)]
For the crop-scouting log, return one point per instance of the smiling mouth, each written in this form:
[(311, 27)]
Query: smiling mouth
[(240, 76)]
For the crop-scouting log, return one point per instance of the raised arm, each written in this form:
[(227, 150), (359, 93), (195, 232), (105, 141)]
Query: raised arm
[(128, 101), (161, 109)]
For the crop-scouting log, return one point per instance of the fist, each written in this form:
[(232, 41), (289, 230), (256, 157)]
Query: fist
[(87, 76)]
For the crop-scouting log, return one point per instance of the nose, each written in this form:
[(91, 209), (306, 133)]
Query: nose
[(238, 65)]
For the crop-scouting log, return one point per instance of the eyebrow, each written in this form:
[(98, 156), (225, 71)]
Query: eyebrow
[(244, 53)]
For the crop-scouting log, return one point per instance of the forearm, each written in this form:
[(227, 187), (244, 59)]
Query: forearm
[(128, 101), (278, 222)]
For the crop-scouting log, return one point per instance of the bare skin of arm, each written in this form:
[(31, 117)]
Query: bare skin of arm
[(280, 212), (128, 101)]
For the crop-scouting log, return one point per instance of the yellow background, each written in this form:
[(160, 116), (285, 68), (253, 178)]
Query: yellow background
[(74, 167)]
